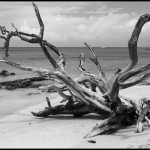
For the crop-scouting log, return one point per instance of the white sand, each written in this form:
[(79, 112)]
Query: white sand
[(21, 129)]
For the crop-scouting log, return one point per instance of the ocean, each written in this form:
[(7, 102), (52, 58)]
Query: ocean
[(110, 58)]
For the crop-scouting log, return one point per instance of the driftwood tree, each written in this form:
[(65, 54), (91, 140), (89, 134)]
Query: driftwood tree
[(83, 97)]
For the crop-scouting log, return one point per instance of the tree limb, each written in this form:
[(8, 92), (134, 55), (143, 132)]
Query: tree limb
[(39, 20), (132, 44), (133, 72), (134, 81), (95, 60)]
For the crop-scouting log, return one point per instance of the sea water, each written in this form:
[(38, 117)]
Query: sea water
[(110, 58)]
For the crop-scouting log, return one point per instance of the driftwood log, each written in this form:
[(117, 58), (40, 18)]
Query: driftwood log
[(83, 97), (22, 83)]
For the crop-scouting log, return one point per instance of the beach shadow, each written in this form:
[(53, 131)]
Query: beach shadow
[(54, 117), (125, 136), (126, 132), (89, 116), (70, 118)]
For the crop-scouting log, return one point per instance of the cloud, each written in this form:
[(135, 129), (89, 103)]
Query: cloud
[(67, 30), (104, 10), (82, 29), (131, 23), (71, 24), (27, 29)]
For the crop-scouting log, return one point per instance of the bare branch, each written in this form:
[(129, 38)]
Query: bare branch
[(16, 33), (2, 37), (86, 95), (132, 44), (49, 57), (81, 64), (39, 20), (49, 88), (40, 72), (135, 81), (95, 60), (115, 82), (62, 59), (6, 44), (88, 77), (133, 72), (43, 43), (129, 100), (49, 103), (14, 27), (3, 30), (64, 96)]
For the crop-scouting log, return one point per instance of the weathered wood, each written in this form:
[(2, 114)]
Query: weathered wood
[(132, 44), (135, 81), (83, 97), (81, 64), (22, 83), (77, 109), (109, 125), (39, 20), (95, 60), (133, 72), (143, 117), (40, 72)]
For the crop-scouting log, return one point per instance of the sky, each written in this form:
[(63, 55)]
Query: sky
[(71, 23)]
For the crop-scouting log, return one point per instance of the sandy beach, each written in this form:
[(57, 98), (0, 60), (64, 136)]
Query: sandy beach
[(92, 48), (20, 129)]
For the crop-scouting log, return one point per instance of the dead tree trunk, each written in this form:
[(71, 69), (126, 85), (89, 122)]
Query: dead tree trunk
[(83, 97)]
